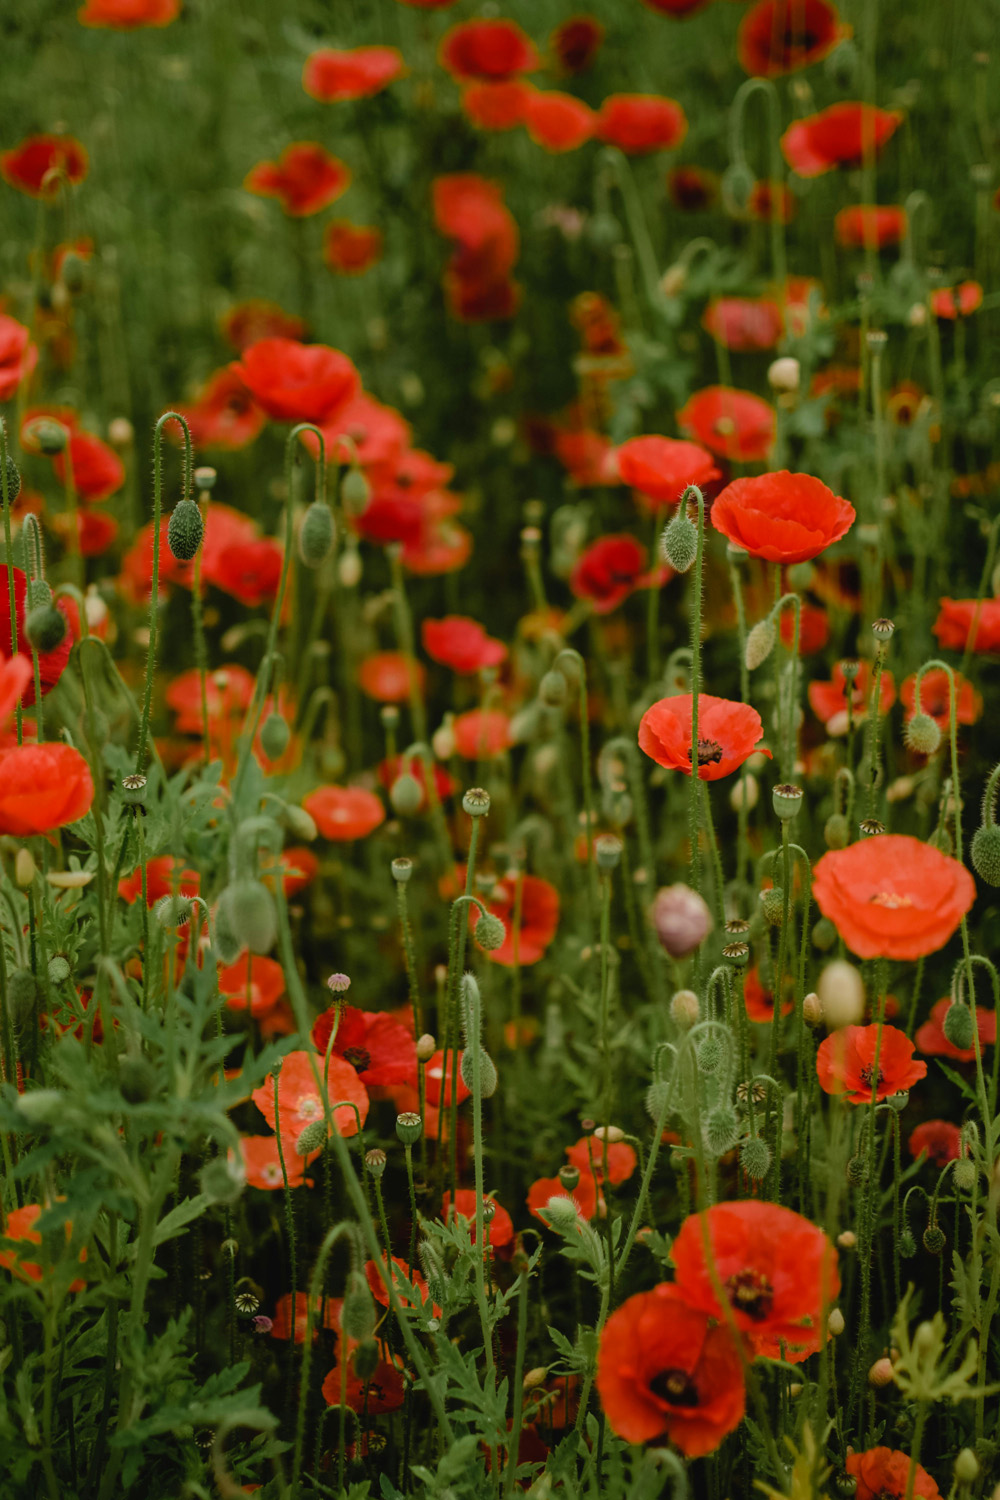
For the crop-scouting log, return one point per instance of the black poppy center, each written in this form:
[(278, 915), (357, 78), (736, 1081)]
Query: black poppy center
[(359, 1059), (868, 1074), (709, 752), (750, 1292), (675, 1387)]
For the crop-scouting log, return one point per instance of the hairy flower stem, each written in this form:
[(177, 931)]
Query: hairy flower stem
[(783, 940), (693, 493), (514, 1441), (475, 1026), (984, 579), (644, 1186), (870, 1204), (12, 598), (154, 595), (198, 621), (418, 714), (289, 1227), (411, 1187), (409, 956), (312, 1301), (873, 727), (456, 965)]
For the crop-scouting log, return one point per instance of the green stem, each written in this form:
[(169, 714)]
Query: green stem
[(154, 596)]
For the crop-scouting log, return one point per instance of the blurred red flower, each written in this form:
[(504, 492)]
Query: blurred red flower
[(256, 319), (876, 225), (28, 165), (330, 75), (165, 875), (956, 301), (380, 1049), (557, 121), (51, 664), (384, 1390), (659, 469), (305, 178), (588, 1158), (744, 323), (845, 1063), (575, 43), (608, 571), (224, 415), (42, 787), (438, 1075), (254, 982), (734, 424), (351, 249), (18, 355), (19, 1226), (461, 643), (538, 905), (814, 628), (387, 676), (583, 1197), (783, 517), (497, 106), (770, 201), (728, 734), (471, 211), (299, 382), (128, 15), (892, 896), (931, 1039), (940, 1139), (935, 698), (97, 470), (781, 36), (343, 813), (884, 1474), (487, 49), (828, 700), (95, 531), (640, 123), (414, 1277), (692, 189), (326, 1314), (481, 733), (954, 624), (759, 1001), (499, 1229), (837, 137), (262, 1165)]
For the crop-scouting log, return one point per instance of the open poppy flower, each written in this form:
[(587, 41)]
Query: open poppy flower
[(783, 517), (254, 982), (759, 1001), (558, 121), (954, 624), (51, 664), (351, 249), (845, 1063), (664, 1371), (608, 571), (304, 179), (499, 1229), (588, 1156), (383, 1391), (734, 424), (935, 698), (43, 787), (939, 1139), (461, 643), (583, 1197), (299, 1100), (224, 415), (389, 676), (660, 469), (438, 1074), (956, 301), (497, 106), (537, 904), (29, 165), (326, 1314), (481, 733), (892, 896), (299, 382), (871, 224), (379, 436), (331, 75), (343, 813), (781, 36), (640, 123), (487, 49), (777, 1270), (19, 1227), (587, 456), (379, 1048), (165, 875), (828, 700), (97, 470), (837, 137), (932, 1040), (728, 734), (257, 318), (744, 324), (884, 1474), (575, 43), (18, 355), (128, 15), (262, 1164)]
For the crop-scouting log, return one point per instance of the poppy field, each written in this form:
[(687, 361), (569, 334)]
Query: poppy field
[(499, 860)]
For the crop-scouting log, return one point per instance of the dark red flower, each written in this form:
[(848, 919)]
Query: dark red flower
[(97, 470), (497, 106), (575, 43), (728, 734), (42, 787), (892, 896), (331, 75), (471, 211), (380, 1049), (845, 1063), (676, 7), (692, 189), (640, 123), (344, 813), (383, 1391), (254, 983), (299, 382), (588, 1156), (29, 165), (326, 1314), (535, 905), (305, 178), (935, 698), (954, 624), (884, 1474), (776, 1269), (481, 733), (940, 1139), (487, 49), (461, 643), (256, 319), (665, 1371), (783, 517), (734, 424), (588, 457), (769, 201), (932, 1040), (608, 571), (759, 1002), (956, 301), (837, 137), (661, 468), (18, 355), (51, 664), (128, 15), (828, 700), (351, 249), (224, 415), (871, 224), (557, 121), (781, 36)]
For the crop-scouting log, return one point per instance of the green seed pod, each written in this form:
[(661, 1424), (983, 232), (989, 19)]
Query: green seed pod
[(134, 789), (248, 909), (136, 1079), (941, 839), (274, 736), (607, 852), (409, 1127), (836, 831), (934, 1239), (679, 542), (569, 1177), (375, 1161), (772, 905), (185, 530), (316, 535), (721, 1130), (755, 1158), (986, 853), (922, 734), (760, 644), (786, 800), (406, 795), (13, 481), (355, 491), (313, 1138), (45, 627), (958, 1026), (357, 1317), (490, 932), (22, 990), (476, 802)]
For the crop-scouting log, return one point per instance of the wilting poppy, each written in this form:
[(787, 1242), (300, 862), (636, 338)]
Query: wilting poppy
[(18, 355), (661, 468), (254, 983), (487, 49), (535, 905), (665, 1371), (845, 1063), (940, 1139), (956, 301), (383, 1391), (299, 382), (608, 571), (640, 123), (575, 43), (837, 137), (872, 224), (781, 36), (935, 698), (305, 179), (884, 1474), (262, 1164), (954, 624), (42, 787), (892, 896), (380, 1049), (692, 189), (224, 415), (557, 121), (128, 15), (481, 733), (499, 1229), (583, 1197), (351, 249), (776, 1269), (331, 75), (249, 322), (343, 813), (300, 1102), (932, 1040), (734, 424), (165, 875), (29, 164), (97, 470), (326, 1314), (783, 517), (728, 734), (744, 324), (497, 106), (51, 664), (828, 700), (461, 643), (588, 1156), (389, 676), (19, 1226)]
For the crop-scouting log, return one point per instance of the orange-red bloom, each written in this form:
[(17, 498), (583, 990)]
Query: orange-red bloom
[(378, 1047), (735, 424), (892, 896), (262, 1164), (41, 163), (744, 324), (461, 643), (18, 355), (254, 983), (128, 15), (660, 469), (873, 224), (165, 875), (299, 382), (387, 676), (42, 787), (954, 624), (300, 1102), (777, 1271), (786, 518), (845, 1063), (640, 123), (256, 319), (956, 301), (471, 211), (759, 1002), (728, 734), (51, 664), (20, 1228), (497, 106), (331, 75), (558, 121), (499, 1229), (828, 700), (535, 905), (487, 49), (224, 415), (932, 1040), (837, 137), (304, 179), (351, 249), (781, 36), (97, 470), (608, 571), (940, 1139), (481, 733), (588, 1156), (383, 1391), (883, 1474), (935, 698), (343, 813)]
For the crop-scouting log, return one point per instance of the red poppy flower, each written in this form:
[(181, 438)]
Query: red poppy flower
[(661, 468), (892, 896), (416, 1280), (640, 123), (351, 249), (51, 664), (770, 201), (932, 1040), (588, 1157), (608, 571), (664, 1371), (343, 813), (97, 470), (16, 673), (300, 1103), (481, 733), (237, 559), (228, 691), (538, 905), (224, 415), (940, 1139), (412, 765), (776, 1269), (42, 787), (828, 700), (935, 698), (438, 1078), (583, 1197), (497, 106), (253, 983), (18, 355), (814, 629), (383, 1391), (871, 224), (728, 734), (249, 322), (575, 43), (461, 643), (299, 382), (956, 301), (165, 875), (305, 179), (588, 457), (95, 531), (557, 121), (326, 1314), (379, 1048), (734, 424), (128, 15), (837, 137), (692, 189), (19, 1226), (953, 626), (331, 75), (471, 211), (786, 518), (262, 1165), (29, 164), (781, 36), (676, 7), (299, 867), (499, 1229), (744, 323), (387, 676), (760, 1001), (487, 49), (883, 1474), (845, 1063)]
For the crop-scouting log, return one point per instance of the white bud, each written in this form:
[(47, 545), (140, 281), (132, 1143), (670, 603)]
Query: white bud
[(349, 567), (752, 793), (841, 994), (784, 374)]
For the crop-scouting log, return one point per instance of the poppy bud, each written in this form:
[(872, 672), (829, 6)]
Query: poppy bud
[(274, 736), (560, 1214), (857, 1171), (552, 689), (760, 643), (185, 530), (958, 1026), (409, 1127), (349, 567), (136, 1079), (836, 831), (657, 1098), (681, 919), (880, 1373), (366, 1358), (13, 481), (835, 1322), (964, 1175), (406, 795), (45, 627), (966, 1466), (313, 1138), (426, 1047), (357, 1316), (824, 934), (679, 542), (842, 994), (752, 792), (812, 1011), (223, 1179), (907, 1244), (736, 186), (784, 374), (58, 969), (684, 1008), (721, 1130), (772, 905), (487, 1071), (172, 912), (247, 907), (986, 853), (25, 868), (490, 933), (569, 1176), (847, 1239), (934, 1240), (316, 534), (613, 1134), (710, 1054), (755, 1158), (355, 491), (375, 1162)]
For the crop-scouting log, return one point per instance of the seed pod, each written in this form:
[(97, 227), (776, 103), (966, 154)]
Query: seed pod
[(316, 534), (247, 907), (185, 530), (274, 736), (409, 1127)]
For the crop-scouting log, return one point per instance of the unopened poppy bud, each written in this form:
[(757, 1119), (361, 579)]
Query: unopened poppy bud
[(355, 491), (958, 1026), (964, 1175), (120, 432), (986, 853), (59, 969), (569, 1177), (907, 1244), (934, 1242), (349, 568), (136, 1079), (48, 436), (608, 852), (560, 1214), (841, 993), (857, 1171), (824, 934), (172, 912), (534, 1378), (375, 1161), (313, 1138), (681, 919), (443, 742), (402, 869), (406, 795), (13, 481), (426, 1047), (248, 908), (409, 1127), (552, 688), (748, 789), (134, 789), (476, 802), (786, 800), (25, 868), (847, 1239), (835, 1323), (185, 529), (487, 1072), (755, 1158), (836, 831), (880, 1373), (784, 374), (679, 542), (812, 1010), (45, 627), (772, 904), (490, 932), (760, 644), (922, 734), (316, 534), (710, 1054), (613, 1134), (357, 1315), (657, 1098), (685, 1008), (721, 1130), (274, 736), (966, 1466)]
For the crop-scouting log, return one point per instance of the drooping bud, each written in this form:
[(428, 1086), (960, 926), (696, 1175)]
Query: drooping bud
[(958, 1026), (685, 1008), (760, 643), (721, 1130), (406, 795), (711, 1054), (313, 1138), (835, 1323), (784, 374), (772, 905), (986, 853), (490, 932), (426, 1047), (248, 909), (922, 734), (355, 491), (172, 912), (964, 1175), (934, 1239), (357, 1315), (560, 1214), (274, 736), (25, 868), (812, 1010), (316, 534), (185, 529), (836, 831), (45, 627), (679, 542), (880, 1373), (755, 1158), (552, 689), (681, 919)]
